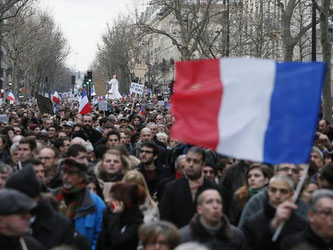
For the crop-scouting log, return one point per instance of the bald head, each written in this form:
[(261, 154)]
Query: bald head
[(146, 135)]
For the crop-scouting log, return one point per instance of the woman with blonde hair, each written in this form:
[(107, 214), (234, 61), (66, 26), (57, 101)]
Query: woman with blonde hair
[(149, 207)]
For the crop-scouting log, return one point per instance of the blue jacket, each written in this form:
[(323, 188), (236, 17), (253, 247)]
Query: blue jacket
[(88, 218)]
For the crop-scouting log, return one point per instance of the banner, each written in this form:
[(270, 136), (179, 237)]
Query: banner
[(137, 88), (45, 105), (100, 87)]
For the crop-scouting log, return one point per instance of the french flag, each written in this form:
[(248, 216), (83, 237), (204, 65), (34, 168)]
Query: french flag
[(11, 96), (252, 109), (85, 107), (56, 98)]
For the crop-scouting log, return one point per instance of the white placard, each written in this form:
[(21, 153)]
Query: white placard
[(137, 88), (4, 118), (103, 106), (161, 103)]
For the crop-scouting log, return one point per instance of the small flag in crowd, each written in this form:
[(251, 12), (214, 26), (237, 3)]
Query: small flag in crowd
[(123, 98), (252, 109), (85, 107), (55, 108), (11, 96), (143, 110), (56, 98)]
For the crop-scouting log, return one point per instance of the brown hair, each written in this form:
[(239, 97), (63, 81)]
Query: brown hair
[(130, 194), (242, 193), (149, 233)]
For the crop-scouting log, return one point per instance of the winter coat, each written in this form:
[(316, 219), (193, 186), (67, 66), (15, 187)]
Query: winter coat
[(256, 203), (232, 179), (305, 240), (177, 205), (15, 243), (162, 172), (50, 227), (88, 217), (227, 237), (92, 135), (259, 233), (120, 231)]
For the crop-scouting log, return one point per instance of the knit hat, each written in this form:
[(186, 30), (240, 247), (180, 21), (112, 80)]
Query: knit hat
[(25, 181), (72, 165)]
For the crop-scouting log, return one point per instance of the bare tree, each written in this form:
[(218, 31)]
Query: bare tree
[(116, 51), (327, 57), (191, 20)]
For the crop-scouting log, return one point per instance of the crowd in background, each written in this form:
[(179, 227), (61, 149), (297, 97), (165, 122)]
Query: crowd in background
[(116, 180)]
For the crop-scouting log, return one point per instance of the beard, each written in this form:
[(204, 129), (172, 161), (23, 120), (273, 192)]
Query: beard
[(67, 186), (192, 175)]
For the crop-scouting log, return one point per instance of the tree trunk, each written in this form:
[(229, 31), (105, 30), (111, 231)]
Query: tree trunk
[(327, 54)]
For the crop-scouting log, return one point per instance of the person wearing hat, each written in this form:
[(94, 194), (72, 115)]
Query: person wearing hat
[(15, 221), (49, 227), (82, 207), (124, 123), (68, 128)]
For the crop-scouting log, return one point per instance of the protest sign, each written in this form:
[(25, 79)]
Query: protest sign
[(103, 106), (4, 118), (137, 88), (45, 105)]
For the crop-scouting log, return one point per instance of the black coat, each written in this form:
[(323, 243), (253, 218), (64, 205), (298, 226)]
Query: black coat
[(92, 135), (13, 243), (177, 205), (162, 173), (50, 227), (259, 233), (305, 240), (227, 237), (232, 179), (120, 231)]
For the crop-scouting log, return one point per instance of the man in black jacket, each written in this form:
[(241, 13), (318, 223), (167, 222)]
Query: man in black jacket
[(178, 202), (153, 172), (48, 227), (87, 132), (14, 221), (260, 228), (319, 233), (210, 227)]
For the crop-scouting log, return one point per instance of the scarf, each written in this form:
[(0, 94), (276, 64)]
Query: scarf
[(253, 191), (69, 200)]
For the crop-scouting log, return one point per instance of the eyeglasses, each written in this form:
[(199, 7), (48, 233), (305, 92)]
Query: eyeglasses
[(325, 213), (287, 169), (146, 151)]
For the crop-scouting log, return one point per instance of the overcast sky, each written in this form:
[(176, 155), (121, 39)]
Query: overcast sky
[(83, 22)]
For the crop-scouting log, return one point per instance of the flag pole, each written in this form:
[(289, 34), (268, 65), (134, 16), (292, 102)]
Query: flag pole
[(295, 197)]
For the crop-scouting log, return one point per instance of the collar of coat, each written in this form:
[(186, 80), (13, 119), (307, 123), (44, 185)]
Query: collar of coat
[(200, 233)]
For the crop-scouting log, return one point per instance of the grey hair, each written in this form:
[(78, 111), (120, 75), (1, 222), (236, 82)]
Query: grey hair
[(317, 195), (276, 167), (317, 150), (283, 178), (191, 246), (5, 168), (14, 148), (162, 134), (180, 157)]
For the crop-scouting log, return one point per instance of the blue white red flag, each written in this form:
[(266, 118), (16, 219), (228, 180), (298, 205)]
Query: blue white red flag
[(85, 107), (56, 98), (93, 93), (252, 109), (11, 96), (143, 111)]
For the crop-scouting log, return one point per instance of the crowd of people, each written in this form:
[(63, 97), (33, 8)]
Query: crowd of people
[(116, 180)]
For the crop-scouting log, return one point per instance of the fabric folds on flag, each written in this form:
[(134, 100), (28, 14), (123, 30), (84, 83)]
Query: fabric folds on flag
[(85, 107), (56, 98), (11, 96), (252, 109)]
